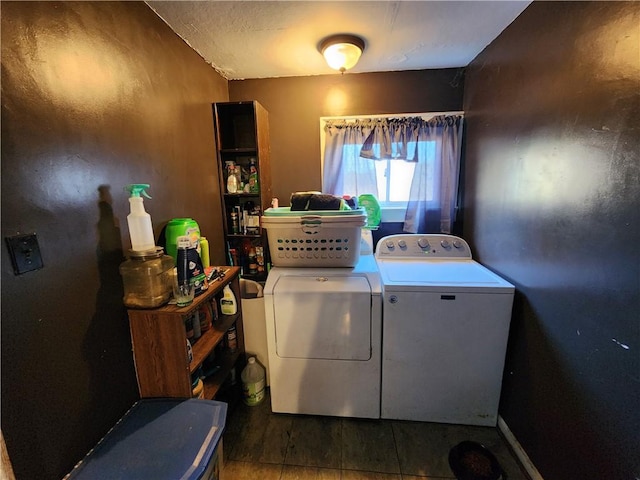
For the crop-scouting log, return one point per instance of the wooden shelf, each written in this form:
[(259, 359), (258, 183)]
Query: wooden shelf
[(209, 340), (242, 137), (243, 151), (213, 383), (159, 341)]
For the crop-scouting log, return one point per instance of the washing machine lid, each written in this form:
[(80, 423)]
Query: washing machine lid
[(436, 275), (367, 268)]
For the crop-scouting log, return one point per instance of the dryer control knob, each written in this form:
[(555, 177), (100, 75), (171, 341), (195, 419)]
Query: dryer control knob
[(458, 244), (423, 243), (390, 244), (445, 244), (402, 244)]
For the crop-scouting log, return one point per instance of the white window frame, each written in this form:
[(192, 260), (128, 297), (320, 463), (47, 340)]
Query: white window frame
[(389, 213)]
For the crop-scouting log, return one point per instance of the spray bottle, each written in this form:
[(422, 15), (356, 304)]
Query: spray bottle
[(140, 228)]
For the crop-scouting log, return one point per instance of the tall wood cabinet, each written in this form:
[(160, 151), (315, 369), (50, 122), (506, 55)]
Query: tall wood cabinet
[(242, 143), (160, 350)]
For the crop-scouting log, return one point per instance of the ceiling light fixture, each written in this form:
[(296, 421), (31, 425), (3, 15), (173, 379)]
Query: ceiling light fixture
[(342, 52)]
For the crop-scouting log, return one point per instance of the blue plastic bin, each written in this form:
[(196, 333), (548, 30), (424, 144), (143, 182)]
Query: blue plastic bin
[(159, 439)]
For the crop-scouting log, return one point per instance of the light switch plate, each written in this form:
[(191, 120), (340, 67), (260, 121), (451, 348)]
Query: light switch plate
[(25, 253)]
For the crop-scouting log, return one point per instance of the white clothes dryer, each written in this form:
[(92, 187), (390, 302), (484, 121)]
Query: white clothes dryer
[(324, 339), (445, 328)]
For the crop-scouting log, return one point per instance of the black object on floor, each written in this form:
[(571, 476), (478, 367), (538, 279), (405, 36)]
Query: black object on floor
[(472, 461)]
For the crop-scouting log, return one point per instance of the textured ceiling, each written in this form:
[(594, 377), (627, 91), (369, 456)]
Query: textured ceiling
[(262, 39)]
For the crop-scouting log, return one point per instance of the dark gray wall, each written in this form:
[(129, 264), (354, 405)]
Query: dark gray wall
[(295, 105), (552, 200), (95, 96)]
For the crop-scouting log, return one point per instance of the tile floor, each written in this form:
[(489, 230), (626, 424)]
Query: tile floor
[(261, 445)]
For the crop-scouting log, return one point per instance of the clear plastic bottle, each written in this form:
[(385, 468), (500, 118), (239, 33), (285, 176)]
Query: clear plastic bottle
[(232, 180), (253, 383), (139, 221)]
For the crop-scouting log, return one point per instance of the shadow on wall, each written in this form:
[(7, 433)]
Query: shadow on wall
[(104, 349)]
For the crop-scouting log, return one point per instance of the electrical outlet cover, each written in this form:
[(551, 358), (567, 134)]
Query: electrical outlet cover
[(25, 253)]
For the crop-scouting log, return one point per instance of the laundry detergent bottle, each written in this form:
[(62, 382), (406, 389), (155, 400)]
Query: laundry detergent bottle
[(228, 303), (139, 221)]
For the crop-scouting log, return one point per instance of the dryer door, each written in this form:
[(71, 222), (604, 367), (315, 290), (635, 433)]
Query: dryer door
[(323, 317)]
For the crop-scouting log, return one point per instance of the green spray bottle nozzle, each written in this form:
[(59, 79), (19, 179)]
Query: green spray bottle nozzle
[(135, 189)]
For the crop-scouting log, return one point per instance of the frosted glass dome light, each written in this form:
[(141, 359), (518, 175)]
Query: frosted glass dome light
[(342, 52)]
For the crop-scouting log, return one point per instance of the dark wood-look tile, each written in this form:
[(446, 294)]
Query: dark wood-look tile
[(369, 445), (250, 471), (423, 448), (261, 445), (254, 434), (315, 442), (263, 440), (296, 472)]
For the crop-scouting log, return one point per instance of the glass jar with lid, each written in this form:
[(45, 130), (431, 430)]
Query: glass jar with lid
[(147, 277)]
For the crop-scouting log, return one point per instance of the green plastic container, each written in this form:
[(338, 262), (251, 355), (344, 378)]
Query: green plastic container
[(370, 203), (177, 228)]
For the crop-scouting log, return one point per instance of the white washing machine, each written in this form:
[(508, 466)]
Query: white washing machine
[(324, 339), (445, 328)]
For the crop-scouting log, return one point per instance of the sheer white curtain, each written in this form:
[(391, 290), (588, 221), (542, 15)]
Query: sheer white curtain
[(345, 172), (434, 189)]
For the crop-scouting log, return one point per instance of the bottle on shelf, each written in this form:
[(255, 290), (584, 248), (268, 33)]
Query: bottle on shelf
[(260, 258), (232, 180), (235, 222), (252, 216), (204, 252), (253, 261), (241, 183), (238, 211), (232, 338), (253, 177), (245, 217), (228, 304)]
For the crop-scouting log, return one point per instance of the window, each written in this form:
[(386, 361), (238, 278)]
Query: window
[(407, 162)]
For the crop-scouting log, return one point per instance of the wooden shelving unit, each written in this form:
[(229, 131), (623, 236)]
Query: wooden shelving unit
[(159, 340), (242, 137)]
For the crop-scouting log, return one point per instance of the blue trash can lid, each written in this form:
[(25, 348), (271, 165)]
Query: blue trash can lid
[(157, 438)]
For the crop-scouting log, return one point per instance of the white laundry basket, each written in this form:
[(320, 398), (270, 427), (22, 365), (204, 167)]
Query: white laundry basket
[(314, 238), (253, 322)]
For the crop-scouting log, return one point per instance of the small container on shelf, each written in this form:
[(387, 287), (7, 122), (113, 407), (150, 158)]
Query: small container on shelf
[(197, 388), (147, 278), (232, 339), (228, 303), (205, 315), (188, 326)]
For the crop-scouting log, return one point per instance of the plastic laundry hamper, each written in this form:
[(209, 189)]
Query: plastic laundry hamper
[(314, 238)]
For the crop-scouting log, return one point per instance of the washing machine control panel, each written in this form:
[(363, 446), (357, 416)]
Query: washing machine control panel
[(422, 246)]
